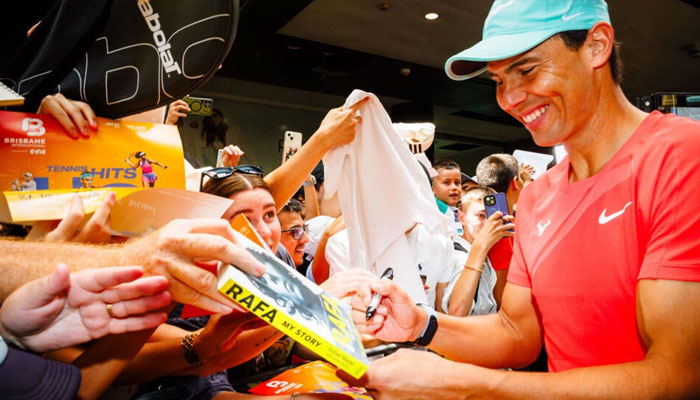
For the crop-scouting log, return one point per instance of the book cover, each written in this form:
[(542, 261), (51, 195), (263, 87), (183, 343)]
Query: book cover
[(296, 306), (37, 154)]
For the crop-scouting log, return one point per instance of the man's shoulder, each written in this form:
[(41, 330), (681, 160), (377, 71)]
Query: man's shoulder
[(669, 130), (669, 138)]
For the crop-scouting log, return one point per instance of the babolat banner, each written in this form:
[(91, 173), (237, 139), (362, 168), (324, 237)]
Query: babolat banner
[(123, 56)]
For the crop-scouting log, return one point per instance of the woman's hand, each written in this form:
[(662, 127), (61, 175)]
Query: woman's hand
[(76, 117)]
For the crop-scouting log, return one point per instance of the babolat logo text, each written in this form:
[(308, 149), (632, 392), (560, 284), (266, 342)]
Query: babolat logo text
[(153, 22)]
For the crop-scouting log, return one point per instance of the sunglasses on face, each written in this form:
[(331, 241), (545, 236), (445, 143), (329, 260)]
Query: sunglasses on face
[(225, 172), (297, 231)]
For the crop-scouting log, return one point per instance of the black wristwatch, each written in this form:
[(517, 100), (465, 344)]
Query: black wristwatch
[(430, 327)]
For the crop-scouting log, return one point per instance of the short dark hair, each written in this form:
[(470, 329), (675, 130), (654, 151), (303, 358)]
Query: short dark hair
[(293, 205), (445, 164), (575, 39), (497, 171)]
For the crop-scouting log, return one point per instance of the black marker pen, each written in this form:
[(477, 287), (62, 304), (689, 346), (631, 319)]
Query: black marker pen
[(374, 303)]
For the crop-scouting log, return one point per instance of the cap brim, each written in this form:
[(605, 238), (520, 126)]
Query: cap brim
[(472, 61), (466, 178)]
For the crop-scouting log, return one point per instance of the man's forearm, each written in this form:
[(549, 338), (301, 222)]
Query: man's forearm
[(647, 379), (486, 340), (24, 261)]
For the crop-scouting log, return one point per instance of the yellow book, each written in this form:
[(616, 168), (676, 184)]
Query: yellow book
[(293, 304)]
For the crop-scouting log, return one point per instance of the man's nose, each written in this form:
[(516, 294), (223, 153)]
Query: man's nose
[(510, 96)]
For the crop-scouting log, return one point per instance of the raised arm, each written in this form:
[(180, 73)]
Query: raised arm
[(337, 128)]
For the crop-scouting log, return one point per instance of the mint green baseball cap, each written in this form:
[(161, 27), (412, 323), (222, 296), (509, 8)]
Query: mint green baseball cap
[(516, 26)]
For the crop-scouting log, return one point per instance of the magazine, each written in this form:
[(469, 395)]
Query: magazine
[(296, 306), (37, 154)]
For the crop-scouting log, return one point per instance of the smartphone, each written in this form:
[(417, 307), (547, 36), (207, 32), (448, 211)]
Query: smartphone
[(219, 158), (292, 143), (199, 105), (495, 202)]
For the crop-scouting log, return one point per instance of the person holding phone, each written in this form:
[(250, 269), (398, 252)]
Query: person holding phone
[(470, 290), (606, 264)]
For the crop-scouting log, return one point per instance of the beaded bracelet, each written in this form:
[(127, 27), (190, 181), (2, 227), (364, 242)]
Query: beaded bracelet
[(188, 351)]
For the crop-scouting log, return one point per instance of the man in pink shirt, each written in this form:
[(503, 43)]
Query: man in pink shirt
[(606, 263)]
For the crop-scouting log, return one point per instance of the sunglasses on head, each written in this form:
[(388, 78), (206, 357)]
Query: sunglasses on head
[(297, 231), (225, 172)]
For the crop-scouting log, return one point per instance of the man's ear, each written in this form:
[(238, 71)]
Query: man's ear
[(515, 184), (600, 41)]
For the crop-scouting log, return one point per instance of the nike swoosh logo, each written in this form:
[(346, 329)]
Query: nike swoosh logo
[(604, 219), (568, 17)]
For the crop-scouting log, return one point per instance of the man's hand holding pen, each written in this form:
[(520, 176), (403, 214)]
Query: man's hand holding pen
[(376, 297), (396, 317)]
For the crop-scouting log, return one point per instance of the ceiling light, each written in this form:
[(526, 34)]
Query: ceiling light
[(431, 16)]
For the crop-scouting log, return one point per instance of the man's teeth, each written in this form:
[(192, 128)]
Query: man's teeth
[(534, 115)]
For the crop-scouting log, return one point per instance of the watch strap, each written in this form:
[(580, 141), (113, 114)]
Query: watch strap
[(431, 326)]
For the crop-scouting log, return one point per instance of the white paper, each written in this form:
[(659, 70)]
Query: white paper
[(538, 160)]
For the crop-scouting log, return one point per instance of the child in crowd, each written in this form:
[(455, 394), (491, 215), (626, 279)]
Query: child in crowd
[(448, 190), (470, 290)]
